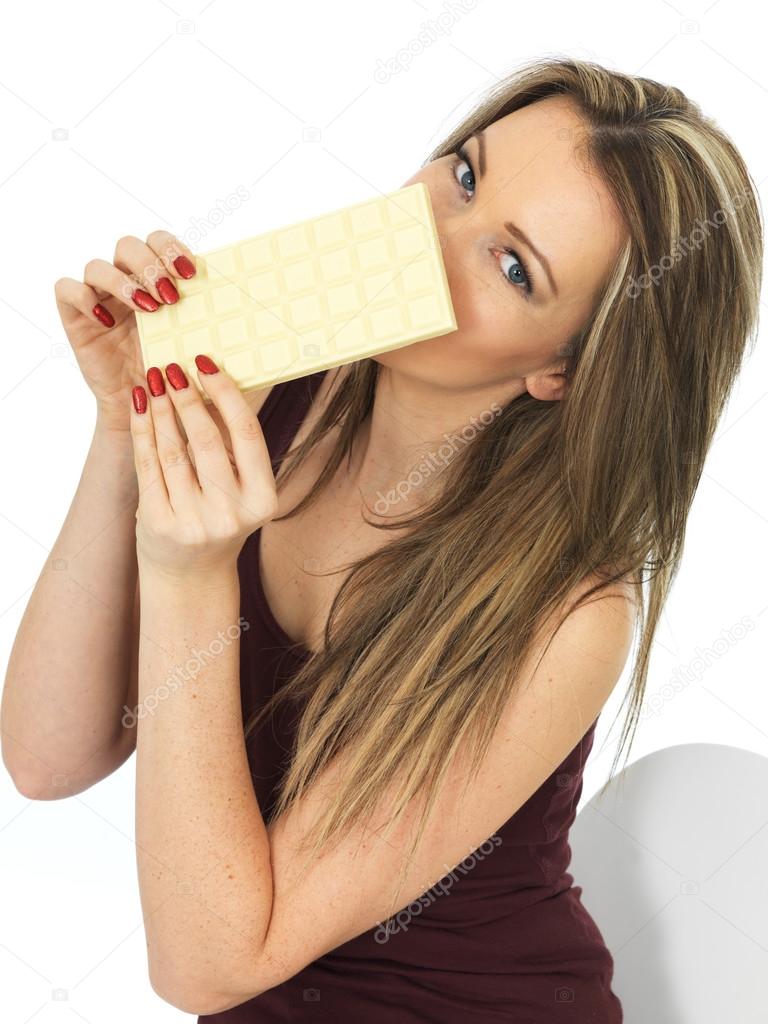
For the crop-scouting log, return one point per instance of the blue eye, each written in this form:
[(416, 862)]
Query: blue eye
[(466, 183), (518, 269), (467, 174)]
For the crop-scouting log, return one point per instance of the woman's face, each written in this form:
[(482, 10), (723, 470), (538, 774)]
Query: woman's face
[(513, 323)]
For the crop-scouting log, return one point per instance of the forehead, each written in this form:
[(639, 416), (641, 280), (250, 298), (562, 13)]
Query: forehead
[(537, 178)]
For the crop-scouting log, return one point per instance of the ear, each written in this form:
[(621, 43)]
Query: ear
[(547, 387), (551, 385)]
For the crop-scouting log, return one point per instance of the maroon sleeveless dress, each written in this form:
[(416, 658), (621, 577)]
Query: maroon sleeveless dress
[(505, 937)]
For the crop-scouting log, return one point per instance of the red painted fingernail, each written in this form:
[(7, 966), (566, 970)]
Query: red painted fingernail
[(184, 266), (145, 301), (176, 376), (166, 291), (139, 399), (155, 381), (104, 315), (205, 365)]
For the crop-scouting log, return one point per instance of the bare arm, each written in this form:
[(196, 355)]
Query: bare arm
[(227, 913), (72, 666)]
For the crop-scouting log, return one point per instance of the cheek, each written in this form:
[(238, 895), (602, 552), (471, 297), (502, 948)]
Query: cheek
[(486, 314), (495, 330)]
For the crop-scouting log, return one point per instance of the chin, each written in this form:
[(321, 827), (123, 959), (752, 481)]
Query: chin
[(430, 362), (415, 358)]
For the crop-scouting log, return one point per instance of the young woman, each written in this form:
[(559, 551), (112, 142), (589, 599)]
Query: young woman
[(383, 606)]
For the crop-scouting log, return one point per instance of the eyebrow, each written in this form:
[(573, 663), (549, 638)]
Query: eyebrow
[(513, 229)]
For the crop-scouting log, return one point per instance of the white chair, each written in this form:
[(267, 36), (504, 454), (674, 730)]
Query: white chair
[(672, 859)]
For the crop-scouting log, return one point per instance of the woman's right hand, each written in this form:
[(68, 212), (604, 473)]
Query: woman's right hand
[(106, 341)]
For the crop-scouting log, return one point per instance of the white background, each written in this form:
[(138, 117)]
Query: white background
[(167, 109)]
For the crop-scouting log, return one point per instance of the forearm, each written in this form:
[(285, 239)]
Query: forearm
[(69, 666), (202, 846)]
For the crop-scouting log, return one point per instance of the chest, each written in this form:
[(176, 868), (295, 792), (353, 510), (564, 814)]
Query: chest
[(304, 560)]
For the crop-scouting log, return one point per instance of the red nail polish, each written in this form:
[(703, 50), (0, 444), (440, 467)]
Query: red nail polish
[(184, 266), (104, 315), (176, 376), (145, 301), (205, 365), (166, 291), (139, 399), (155, 381)]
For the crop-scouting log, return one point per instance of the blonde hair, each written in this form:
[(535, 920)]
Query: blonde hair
[(426, 635)]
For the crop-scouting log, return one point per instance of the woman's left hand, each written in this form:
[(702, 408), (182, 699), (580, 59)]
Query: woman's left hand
[(194, 514)]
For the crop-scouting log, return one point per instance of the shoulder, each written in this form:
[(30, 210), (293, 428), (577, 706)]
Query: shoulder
[(600, 618), (572, 666), (616, 601), (579, 652)]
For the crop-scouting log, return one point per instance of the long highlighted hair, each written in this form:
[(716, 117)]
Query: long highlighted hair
[(426, 635)]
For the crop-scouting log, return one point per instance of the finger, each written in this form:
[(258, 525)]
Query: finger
[(215, 473), (102, 275), (137, 259), (153, 494), (77, 297), (249, 449), (230, 456), (177, 259), (181, 479)]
